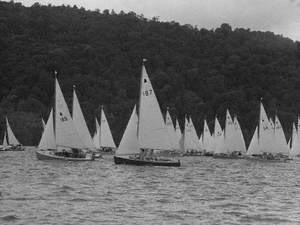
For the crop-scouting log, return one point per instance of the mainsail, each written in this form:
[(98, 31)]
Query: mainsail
[(80, 124), (194, 136), (106, 138), (96, 137), (152, 131), (229, 135), (48, 139), (265, 133), (65, 132), (178, 135), (12, 140), (207, 141), (240, 141), (218, 138), (295, 150), (129, 144)]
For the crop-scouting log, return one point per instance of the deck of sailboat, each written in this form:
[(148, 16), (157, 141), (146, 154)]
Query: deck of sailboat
[(48, 155)]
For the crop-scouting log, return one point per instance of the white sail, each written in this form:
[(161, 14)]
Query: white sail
[(48, 139), (229, 135), (152, 131), (4, 143), (295, 150), (218, 138), (265, 134), (178, 136), (280, 140), (12, 140), (207, 139), (96, 138), (253, 147), (289, 144), (80, 124), (43, 123), (106, 138), (171, 131), (240, 141), (65, 132), (201, 142), (129, 143)]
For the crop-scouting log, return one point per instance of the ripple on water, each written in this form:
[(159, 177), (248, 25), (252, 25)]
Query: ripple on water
[(203, 191)]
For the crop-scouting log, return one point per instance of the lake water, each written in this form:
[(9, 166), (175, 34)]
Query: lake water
[(203, 191)]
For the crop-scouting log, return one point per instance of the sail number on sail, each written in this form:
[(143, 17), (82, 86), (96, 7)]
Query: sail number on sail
[(147, 92)]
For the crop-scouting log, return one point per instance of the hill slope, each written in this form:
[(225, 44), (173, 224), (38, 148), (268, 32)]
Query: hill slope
[(199, 72)]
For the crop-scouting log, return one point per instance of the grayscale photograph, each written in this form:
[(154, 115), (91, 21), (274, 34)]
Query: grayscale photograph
[(149, 112)]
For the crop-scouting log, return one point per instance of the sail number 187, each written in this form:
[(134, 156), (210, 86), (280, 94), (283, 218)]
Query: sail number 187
[(147, 92)]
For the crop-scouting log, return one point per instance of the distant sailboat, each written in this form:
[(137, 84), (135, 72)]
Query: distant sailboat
[(207, 140), (152, 132), (253, 146), (80, 124), (280, 140), (295, 149), (178, 136), (96, 137), (190, 139), (218, 139), (10, 142), (106, 140), (171, 131), (68, 143), (266, 149), (240, 145)]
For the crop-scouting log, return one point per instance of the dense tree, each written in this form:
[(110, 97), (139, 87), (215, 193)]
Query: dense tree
[(196, 72)]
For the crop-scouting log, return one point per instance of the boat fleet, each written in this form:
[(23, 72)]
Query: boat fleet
[(149, 139)]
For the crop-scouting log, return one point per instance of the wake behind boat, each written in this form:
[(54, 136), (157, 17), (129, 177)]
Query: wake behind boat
[(145, 133)]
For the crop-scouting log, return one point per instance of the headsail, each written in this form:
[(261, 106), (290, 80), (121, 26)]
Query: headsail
[(80, 124), (152, 131), (48, 139), (65, 132), (96, 137), (4, 143), (207, 141), (106, 138), (12, 140), (129, 143), (171, 131)]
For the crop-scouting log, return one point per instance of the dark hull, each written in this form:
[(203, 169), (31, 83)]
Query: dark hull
[(13, 149), (45, 155), (193, 154), (137, 162)]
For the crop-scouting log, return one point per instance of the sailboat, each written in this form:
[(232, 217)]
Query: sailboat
[(61, 141), (265, 149), (10, 142), (219, 141), (190, 139), (178, 136), (207, 141), (105, 140), (240, 145), (295, 150), (171, 132), (149, 130)]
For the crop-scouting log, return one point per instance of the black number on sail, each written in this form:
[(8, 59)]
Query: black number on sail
[(147, 92)]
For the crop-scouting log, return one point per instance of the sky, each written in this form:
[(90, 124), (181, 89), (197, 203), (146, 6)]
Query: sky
[(278, 16)]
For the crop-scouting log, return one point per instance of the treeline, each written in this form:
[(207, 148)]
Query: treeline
[(194, 71)]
